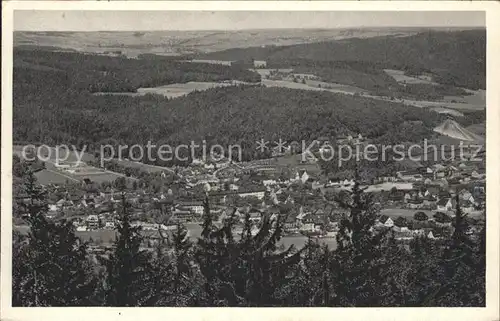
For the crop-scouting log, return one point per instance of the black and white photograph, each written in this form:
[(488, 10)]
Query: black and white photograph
[(248, 158)]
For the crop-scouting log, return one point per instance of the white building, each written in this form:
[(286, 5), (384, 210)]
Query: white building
[(269, 182), (109, 225), (259, 64), (446, 204), (196, 207), (198, 162), (302, 176), (258, 194), (385, 221)]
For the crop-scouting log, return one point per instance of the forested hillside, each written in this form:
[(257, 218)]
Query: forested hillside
[(95, 73), (454, 58), (48, 109), (54, 104)]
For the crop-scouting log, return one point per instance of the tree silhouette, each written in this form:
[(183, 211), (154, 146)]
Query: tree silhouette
[(420, 216), (249, 271), (127, 266), (458, 286), (356, 261), (50, 264)]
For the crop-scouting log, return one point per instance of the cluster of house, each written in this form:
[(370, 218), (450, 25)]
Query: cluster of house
[(201, 175), (402, 233), (434, 197), (311, 223), (461, 173), (435, 228), (270, 193), (305, 221)]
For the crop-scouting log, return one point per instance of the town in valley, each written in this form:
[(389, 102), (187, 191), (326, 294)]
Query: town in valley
[(268, 210)]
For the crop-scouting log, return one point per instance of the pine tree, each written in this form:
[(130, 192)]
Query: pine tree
[(175, 280), (481, 266), (187, 283), (51, 264), (326, 279), (182, 248), (424, 264), (249, 271), (127, 266), (204, 251), (302, 290), (397, 276), (356, 261), (460, 285)]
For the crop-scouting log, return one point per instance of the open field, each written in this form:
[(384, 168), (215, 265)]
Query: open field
[(174, 90), (407, 213), (145, 167), (448, 111), (263, 72), (108, 177), (54, 175), (215, 62), (313, 85), (173, 43), (399, 76), (461, 103), (178, 90), (286, 161), (47, 176), (99, 175), (475, 101)]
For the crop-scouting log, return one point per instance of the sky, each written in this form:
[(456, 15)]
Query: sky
[(31, 20)]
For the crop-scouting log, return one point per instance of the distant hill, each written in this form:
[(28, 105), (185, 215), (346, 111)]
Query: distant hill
[(455, 58), (232, 115), (174, 42), (453, 129), (53, 104)]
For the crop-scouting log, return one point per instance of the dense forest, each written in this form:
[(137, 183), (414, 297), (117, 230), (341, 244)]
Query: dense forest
[(369, 268), (52, 106), (456, 58), (47, 109), (98, 73)]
